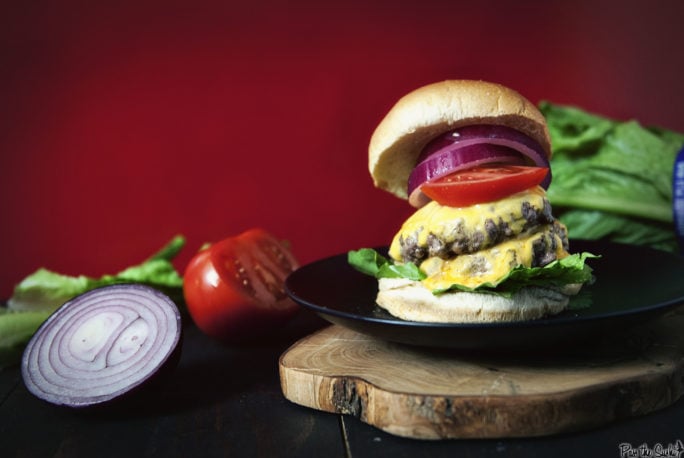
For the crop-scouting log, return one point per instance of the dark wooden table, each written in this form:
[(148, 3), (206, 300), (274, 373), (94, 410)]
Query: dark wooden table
[(225, 401)]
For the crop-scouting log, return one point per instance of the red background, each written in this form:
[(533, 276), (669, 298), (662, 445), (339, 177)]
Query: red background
[(124, 123)]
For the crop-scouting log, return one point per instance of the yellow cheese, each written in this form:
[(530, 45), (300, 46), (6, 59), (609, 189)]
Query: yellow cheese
[(489, 265), (445, 222)]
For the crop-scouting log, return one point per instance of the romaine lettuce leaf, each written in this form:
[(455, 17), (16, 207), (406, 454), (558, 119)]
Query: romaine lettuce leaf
[(16, 328), (594, 225), (370, 262), (612, 179), (45, 290), (569, 270)]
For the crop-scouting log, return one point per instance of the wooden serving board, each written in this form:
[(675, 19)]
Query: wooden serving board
[(432, 394)]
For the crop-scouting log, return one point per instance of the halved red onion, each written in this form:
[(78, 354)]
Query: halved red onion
[(470, 146), (102, 345)]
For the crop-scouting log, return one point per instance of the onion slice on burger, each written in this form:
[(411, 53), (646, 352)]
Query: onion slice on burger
[(102, 345), (473, 146)]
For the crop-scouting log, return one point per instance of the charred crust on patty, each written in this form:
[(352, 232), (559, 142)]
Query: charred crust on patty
[(461, 239)]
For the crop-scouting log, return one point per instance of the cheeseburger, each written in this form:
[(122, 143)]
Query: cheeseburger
[(483, 246)]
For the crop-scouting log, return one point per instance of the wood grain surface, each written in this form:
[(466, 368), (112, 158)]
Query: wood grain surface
[(432, 394)]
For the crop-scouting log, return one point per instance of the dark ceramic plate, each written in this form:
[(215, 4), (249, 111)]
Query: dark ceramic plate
[(633, 285)]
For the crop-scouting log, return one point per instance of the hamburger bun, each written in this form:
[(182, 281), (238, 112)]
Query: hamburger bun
[(432, 110), (410, 300)]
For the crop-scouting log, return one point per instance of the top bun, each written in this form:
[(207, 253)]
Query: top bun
[(432, 110)]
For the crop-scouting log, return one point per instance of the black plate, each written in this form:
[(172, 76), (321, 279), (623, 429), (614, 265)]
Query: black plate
[(633, 285)]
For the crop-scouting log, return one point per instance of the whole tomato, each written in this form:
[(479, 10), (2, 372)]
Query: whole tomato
[(235, 290)]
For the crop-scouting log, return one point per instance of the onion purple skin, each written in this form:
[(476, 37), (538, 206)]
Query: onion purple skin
[(60, 369)]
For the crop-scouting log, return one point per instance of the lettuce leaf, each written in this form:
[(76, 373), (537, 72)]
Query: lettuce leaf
[(594, 225), (370, 262), (16, 328), (569, 270), (42, 292), (612, 180), (45, 290)]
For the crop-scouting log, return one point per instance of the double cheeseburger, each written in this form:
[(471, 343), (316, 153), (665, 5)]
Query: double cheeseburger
[(483, 245)]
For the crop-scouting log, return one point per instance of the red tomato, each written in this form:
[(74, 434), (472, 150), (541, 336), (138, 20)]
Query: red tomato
[(234, 290), (483, 184)]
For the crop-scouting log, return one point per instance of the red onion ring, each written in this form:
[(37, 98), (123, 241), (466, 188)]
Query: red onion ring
[(102, 345), (493, 134), (444, 163), (470, 146)]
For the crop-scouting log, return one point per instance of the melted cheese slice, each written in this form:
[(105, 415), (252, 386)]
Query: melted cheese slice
[(446, 223), (490, 265)]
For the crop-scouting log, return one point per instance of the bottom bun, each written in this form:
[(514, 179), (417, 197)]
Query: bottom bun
[(410, 300)]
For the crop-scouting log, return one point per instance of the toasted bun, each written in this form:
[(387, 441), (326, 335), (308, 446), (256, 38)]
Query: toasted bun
[(429, 111), (410, 300)]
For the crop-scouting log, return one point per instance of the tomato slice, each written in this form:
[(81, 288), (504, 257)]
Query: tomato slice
[(235, 289), (483, 184)]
